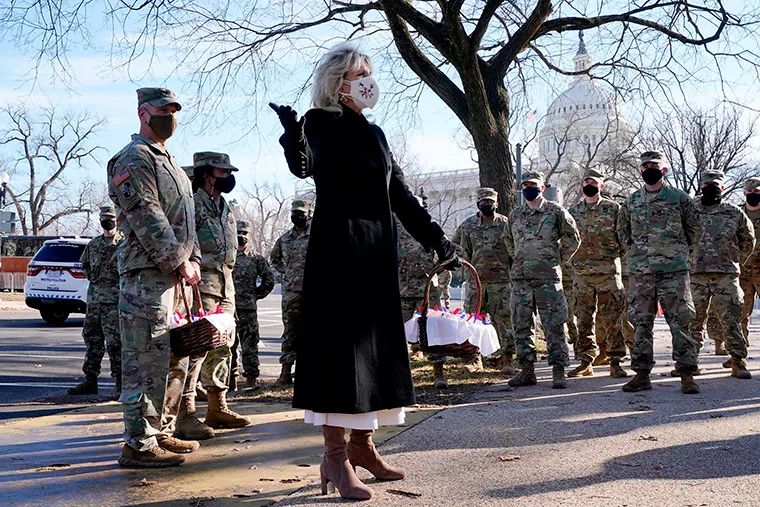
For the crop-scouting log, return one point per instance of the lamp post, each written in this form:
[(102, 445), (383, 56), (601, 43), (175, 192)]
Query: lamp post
[(4, 179)]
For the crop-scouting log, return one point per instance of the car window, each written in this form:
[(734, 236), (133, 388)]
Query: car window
[(60, 252)]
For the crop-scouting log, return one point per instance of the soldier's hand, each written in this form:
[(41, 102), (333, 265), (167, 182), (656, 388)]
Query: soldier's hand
[(190, 272), (288, 118)]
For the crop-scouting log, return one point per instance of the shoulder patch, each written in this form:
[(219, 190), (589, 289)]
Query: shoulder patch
[(120, 177)]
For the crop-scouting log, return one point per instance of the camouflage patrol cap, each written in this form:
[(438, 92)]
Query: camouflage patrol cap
[(536, 177), (487, 193), (712, 177), (213, 159), (594, 173), (654, 156), (300, 205), (158, 97), (243, 227), (107, 212), (752, 184)]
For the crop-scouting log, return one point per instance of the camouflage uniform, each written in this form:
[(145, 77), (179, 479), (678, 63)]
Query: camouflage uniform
[(101, 324), (597, 277), (484, 246), (568, 275), (727, 242), (749, 280), (444, 287), (254, 280), (658, 229), (217, 237), (155, 212), (539, 241), (288, 257)]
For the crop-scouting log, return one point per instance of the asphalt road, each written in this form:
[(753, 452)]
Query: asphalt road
[(39, 362)]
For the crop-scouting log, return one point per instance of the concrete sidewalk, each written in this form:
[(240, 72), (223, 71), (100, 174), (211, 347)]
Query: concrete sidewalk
[(70, 459)]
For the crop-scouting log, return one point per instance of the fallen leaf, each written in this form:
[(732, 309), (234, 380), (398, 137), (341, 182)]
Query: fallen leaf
[(409, 494), (647, 437), (304, 465), (257, 491), (716, 416), (246, 440), (289, 481), (264, 479), (143, 483), (509, 457)]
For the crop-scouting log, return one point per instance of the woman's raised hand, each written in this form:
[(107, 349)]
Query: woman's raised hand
[(288, 118)]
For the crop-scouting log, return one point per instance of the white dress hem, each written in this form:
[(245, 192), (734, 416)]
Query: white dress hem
[(365, 421)]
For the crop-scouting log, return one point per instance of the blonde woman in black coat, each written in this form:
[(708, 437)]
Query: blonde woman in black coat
[(352, 369)]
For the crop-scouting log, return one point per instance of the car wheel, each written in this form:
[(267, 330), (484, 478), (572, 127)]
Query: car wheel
[(54, 316)]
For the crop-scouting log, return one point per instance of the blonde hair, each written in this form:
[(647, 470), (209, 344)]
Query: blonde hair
[(328, 77)]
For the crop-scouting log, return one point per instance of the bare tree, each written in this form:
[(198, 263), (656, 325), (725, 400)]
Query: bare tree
[(268, 210), (477, 56), (44, 148), (697, 140)]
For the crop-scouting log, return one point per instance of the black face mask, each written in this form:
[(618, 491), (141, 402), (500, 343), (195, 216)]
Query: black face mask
[(590, 190), (299, 220), (242, 240), (710, 195), (487, 209), (108, 225), (163, 126), (530, 193), (651, 176), (753, 199), (225, 185)]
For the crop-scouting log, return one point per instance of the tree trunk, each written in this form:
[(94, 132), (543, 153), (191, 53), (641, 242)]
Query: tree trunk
[(495, 164)]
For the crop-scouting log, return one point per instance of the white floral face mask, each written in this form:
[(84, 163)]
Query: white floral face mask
[(365, 92)]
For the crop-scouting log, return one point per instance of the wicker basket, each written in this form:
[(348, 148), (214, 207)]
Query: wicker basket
[(195, 338), (456, 350)]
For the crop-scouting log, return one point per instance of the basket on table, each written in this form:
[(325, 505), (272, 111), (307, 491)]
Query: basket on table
[(197, 336), (456, 333)]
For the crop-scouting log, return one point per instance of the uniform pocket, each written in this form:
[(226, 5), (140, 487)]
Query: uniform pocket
[(147, 294)]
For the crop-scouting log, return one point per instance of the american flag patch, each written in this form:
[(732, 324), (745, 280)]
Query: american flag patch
[(121, 177)]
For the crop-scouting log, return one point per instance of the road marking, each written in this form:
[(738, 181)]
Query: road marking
[(46, 384), (6, 354)]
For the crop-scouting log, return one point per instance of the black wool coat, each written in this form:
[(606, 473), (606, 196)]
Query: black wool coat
[(351, 353)]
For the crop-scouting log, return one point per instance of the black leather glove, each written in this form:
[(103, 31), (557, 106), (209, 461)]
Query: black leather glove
[(447, 253), (288, 118)]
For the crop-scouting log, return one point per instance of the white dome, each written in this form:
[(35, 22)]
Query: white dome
[(585, 99)]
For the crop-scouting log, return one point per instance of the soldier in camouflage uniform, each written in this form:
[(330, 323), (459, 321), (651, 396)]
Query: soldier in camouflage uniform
[(749, 280), (541, 237), (288, 257), (155, 212), (598, 285), (727, 242), (254, 280), (481, 241), (658, 226), (217, 237), (101, 324)]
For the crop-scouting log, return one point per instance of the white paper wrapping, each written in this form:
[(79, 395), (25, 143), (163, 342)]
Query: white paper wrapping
[(446, 329)]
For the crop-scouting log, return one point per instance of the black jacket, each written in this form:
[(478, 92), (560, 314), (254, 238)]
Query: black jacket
[(351, 354)]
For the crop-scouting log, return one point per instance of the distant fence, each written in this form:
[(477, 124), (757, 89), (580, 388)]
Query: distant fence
[(12, 281)]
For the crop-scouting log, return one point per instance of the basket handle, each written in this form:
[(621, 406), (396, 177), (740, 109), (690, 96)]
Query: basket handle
[(196, 294), (442, 267)]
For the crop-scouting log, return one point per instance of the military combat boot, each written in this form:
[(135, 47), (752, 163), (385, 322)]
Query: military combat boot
[(688, 386), (640, 382), (188, 425), (728, 362), (200, 392), (720, 349), (526, 377), (558, 377), (439, 380), (508, 365), (739, 368), (176, 445), (585, 369), (286, 377), (218, 415), (154, 457), (88, 386), (601, 359), (252, 383), (615, 369)]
